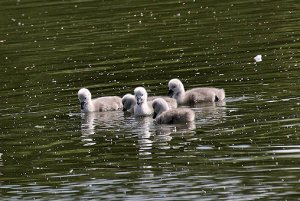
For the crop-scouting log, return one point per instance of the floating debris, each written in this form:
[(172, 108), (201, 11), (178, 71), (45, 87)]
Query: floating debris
[(258, 58), (40, 127)]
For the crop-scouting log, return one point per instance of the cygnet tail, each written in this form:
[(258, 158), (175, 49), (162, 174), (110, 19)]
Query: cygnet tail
[(190, 116), (220, 95)]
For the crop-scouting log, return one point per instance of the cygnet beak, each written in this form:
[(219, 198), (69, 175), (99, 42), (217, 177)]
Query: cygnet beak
[(138, 101), (171, 93), (154, 115), (82, 105)]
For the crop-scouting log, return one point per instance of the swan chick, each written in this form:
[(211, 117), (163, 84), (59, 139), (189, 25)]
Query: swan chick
[(142, 107), (195, 95), (163, 115), (101, 104), (128, 101)]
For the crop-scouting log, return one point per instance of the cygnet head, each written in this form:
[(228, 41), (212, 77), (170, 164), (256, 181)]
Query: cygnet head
[(128, 101), (84, 96), (159, 106), (140, 95), (175, 87)]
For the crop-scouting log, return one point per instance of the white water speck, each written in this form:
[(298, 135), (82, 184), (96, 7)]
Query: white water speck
[(40, 127), (258, 58)]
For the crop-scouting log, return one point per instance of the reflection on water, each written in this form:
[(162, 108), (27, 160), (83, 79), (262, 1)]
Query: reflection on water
[(87, 124), (244, 148), (1, 163), (104, 120), (142, 130)]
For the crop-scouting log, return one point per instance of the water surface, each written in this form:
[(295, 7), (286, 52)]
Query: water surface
[(247, 148)]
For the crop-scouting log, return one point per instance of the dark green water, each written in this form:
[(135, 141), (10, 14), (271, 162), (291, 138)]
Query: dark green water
[(246, 149)]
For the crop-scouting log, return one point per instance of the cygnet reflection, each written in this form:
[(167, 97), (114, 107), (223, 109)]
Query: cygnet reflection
[(151, 134), (207, 113), (164, 131), (87, 128), (100, 120), (142, 130), (1, 162)]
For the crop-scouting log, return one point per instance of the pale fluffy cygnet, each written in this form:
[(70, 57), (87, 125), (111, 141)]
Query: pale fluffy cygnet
[(129, 101), (163, 115), (141, 108), (195, 95), (107, 103)]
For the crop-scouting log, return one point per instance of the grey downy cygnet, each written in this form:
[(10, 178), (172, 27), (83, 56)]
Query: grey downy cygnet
[(163, 115), (195, 95), (101, 104)]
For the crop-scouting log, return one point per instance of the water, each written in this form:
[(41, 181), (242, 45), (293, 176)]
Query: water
[(246, 149)]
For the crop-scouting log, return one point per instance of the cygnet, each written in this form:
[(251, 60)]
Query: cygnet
[(141, 108), (101, 104), (163, 115), (195, 95)]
